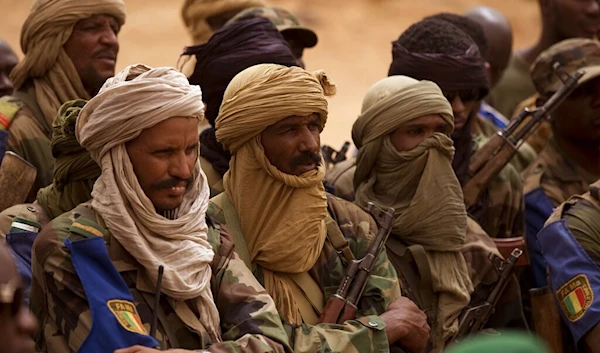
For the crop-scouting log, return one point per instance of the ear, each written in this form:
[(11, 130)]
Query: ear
[(488, 70)]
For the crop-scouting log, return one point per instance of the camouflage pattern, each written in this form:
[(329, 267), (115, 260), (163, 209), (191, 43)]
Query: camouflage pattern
[(504, 215), (29, 137), (571, 55), (558, 175), (282, 19), (367, 333), (31, 211), (249, 320)]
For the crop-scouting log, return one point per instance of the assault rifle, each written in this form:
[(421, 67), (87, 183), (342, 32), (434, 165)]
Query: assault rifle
[(342, 305), (333, 157), (474, 318), (489, 160)]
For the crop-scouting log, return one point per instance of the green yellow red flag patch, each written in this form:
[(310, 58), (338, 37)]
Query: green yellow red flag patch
[(575, 297), (127, 315)]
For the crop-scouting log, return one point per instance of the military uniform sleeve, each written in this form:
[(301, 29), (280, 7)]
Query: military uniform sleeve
[(249, 320), (57, 297), (367, 333), (583, 220)]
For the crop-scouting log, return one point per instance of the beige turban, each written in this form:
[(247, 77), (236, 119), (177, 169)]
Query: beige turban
[(196, 12), (45, 31), (119, 113), (420, 184), (281, 215)]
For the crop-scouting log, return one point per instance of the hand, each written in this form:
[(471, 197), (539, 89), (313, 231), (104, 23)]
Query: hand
[(406, 324), (142, 349)]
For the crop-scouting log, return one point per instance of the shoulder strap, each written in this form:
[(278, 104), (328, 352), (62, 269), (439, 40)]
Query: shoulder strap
[(232, 221), (338, 240)]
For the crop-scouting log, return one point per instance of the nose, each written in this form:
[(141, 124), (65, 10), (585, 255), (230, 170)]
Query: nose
[(458, 107), (309, 140), (109, 37), (181, 165)]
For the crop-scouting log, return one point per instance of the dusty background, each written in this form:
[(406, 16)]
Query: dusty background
[(354, 38)]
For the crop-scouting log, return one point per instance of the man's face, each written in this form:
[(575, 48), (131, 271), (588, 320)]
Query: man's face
[(293, 144), (573, 18), (578, 117), (93, 49), (163, 158), (297, 49), (410, 135), (463, 104), (17, 324), (8, 61)]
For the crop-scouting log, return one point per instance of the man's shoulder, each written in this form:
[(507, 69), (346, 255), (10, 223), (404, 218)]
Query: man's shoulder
[(532, 176), (353, 221), (341, 178)]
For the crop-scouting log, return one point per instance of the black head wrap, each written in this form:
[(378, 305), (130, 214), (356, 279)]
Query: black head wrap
[(229, 51)]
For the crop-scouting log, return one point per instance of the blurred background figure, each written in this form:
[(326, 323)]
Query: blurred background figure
[(8, 60)]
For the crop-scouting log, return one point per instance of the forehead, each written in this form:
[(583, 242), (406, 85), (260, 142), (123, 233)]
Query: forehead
[(179, 128)]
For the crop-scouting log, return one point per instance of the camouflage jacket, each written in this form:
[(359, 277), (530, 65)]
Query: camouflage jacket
[(503, 216), (558, 175), (29, 137), (249, 320), (365, 334)]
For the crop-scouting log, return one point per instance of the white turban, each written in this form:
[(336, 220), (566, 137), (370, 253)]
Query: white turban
[(138, 98)]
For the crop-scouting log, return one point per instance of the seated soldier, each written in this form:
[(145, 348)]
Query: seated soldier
[(571, 159), (405, 161), (570, 242), (96, 285), (293, 235)]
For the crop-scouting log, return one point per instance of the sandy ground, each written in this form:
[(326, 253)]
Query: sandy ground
[(354, 39)]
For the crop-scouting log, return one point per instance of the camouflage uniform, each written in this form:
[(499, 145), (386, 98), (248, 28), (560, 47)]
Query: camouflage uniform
[(367, 333), (29, 137), (249, 320)]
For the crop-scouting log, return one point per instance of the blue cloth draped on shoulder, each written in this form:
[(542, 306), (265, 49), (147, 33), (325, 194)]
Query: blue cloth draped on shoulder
[(538, 208), (574, 278), (115, 320)]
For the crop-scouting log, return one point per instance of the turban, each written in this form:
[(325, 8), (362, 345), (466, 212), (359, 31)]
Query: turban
[(196, 12), (419, 184), (452, 73), (44, 33), (229, 51), (274, 206), (74, 170), (136, 99)]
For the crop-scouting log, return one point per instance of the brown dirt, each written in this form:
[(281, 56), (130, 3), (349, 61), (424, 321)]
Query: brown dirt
[(354, 38)]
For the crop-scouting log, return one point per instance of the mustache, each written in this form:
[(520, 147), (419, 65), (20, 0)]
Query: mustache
[(169, 183), (305, 158), (109, 53)]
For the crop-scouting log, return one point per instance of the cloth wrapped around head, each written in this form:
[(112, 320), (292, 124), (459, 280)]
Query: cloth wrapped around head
[(43, 35), (195, 14), (420, 184), (75, 172), (281, 215), (135, 99), (229, 51)]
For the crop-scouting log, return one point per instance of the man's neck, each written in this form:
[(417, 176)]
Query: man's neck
[(586, 156)]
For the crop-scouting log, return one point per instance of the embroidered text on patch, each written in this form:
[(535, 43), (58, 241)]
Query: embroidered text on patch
[(127, 315), (575, 297)]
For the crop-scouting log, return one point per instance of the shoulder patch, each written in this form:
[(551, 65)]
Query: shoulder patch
[(575, 297), (86, 228), (7, 112), (127, 315)]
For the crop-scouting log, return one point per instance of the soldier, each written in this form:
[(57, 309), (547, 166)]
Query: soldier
[(297, 36), (204, 17), (70, 49), (570, 160), (8, 61), (405, 162), (17, 325), (570, 248), (96, 285), (560, 20), (230, 50), (287, 229)]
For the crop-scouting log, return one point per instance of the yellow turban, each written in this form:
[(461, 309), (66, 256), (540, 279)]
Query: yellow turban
[(281, 215), (196, 12), (44, 33), (421, 186)]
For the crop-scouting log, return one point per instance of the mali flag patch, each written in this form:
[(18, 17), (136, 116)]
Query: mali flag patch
[(575, 297), (127, 315)]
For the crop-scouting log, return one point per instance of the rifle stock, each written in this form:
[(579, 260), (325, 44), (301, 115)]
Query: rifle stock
[(489, 160), (343, 305)]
